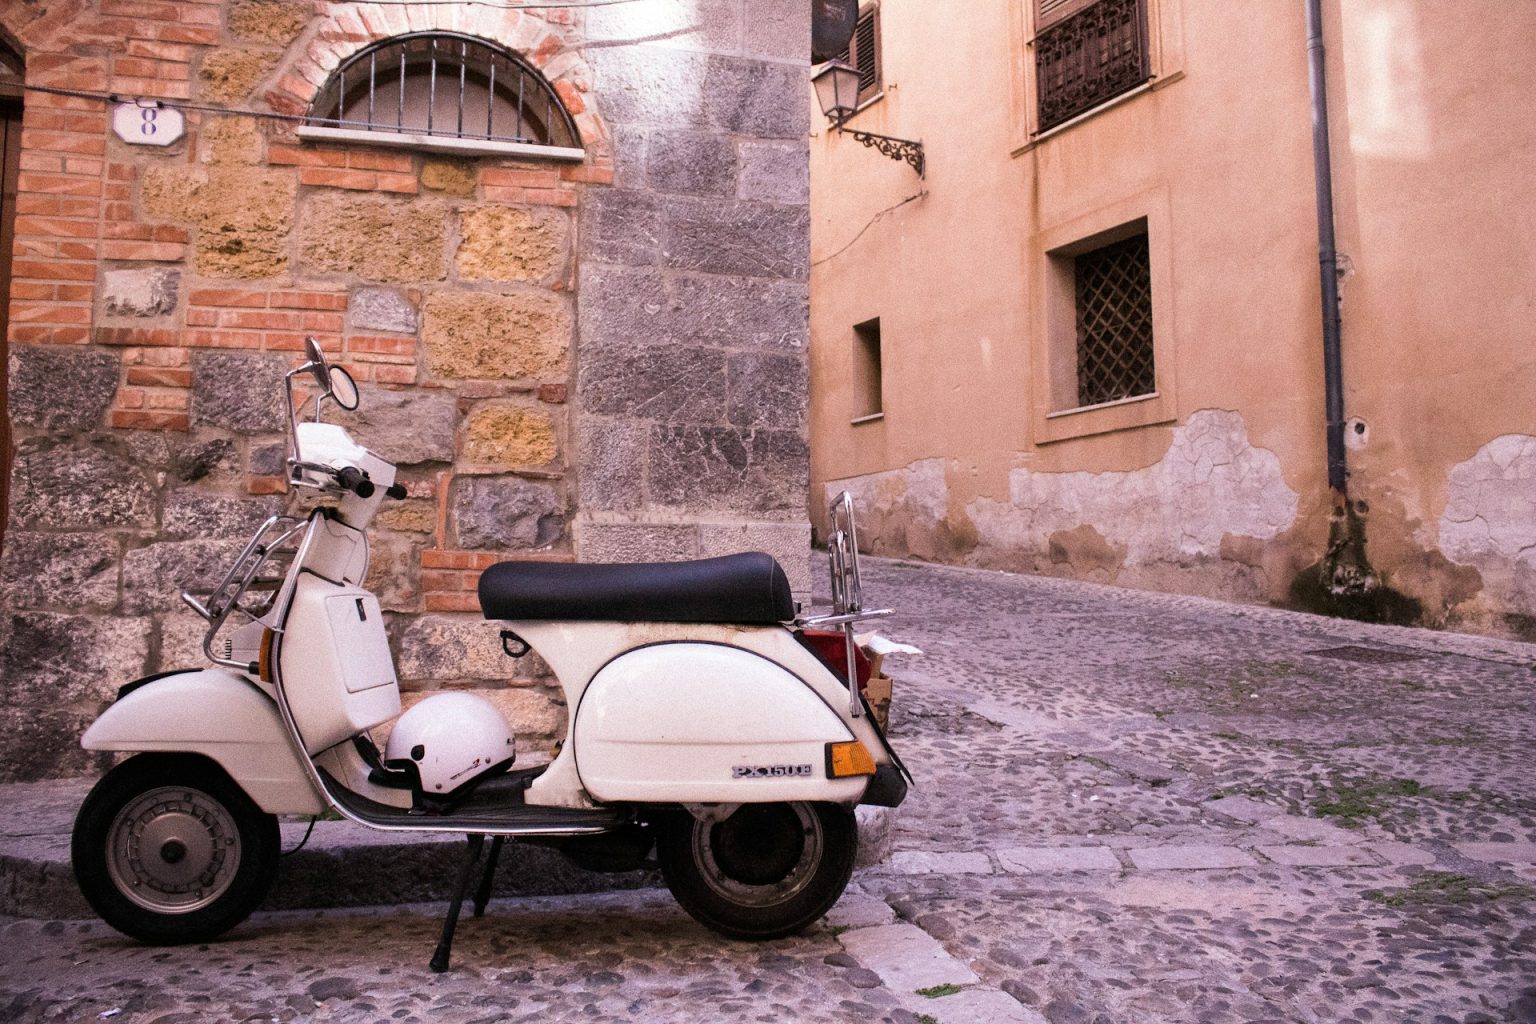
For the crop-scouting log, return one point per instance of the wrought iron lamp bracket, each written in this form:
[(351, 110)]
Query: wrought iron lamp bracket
[(896, 149)]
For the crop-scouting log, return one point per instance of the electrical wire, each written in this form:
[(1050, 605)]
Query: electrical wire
[(869, 224), (296, 849), (112, 97)]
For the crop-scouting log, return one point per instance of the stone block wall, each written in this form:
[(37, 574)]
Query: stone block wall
[(689, 433), (601, 360)]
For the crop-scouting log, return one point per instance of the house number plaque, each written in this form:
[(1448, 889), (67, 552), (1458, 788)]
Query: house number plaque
[(147, 124)]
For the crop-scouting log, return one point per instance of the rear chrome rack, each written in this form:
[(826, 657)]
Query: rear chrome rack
[(847, 590), (272, 548)]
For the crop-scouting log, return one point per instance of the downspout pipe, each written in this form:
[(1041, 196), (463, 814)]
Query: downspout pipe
[(1328, 256)]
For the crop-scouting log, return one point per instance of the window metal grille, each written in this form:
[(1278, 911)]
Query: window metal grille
[(444, 85), (864, 52), (1092, 56), (1114, 322)]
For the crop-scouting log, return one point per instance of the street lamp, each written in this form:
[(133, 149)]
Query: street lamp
[(837, 90)]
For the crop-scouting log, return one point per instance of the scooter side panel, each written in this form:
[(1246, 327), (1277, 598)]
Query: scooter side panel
[(337, 671), (705, 723), (220, 715), (781, 646)]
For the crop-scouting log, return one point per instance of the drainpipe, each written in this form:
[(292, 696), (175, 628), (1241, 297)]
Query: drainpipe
[(1345, 571), (1328, 257)]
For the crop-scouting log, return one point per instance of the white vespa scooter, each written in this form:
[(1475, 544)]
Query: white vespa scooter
[(707, 723)]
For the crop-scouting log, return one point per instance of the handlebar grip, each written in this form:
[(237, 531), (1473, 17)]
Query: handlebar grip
[(355, 480), (396, 491)]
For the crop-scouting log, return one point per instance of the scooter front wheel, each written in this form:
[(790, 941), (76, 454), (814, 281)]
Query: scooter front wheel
[(766, 871), (168, 849)]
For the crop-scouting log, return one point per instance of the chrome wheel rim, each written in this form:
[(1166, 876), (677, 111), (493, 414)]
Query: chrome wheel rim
[(763, 855), (173, 850)]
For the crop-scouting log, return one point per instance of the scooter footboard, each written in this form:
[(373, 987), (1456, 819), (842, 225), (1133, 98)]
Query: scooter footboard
[(696, 722), (217, 714)]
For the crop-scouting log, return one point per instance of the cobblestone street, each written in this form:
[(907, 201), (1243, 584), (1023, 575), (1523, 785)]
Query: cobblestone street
[(1130, 808)]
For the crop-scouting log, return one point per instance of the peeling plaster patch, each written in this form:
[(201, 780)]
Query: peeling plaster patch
[(897, 506), (1490, 518), (1211, 495), (1212, 483), (1085, 553)]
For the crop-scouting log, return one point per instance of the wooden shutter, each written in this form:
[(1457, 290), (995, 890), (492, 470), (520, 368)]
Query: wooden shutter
[(864, 52), (1048, 12)]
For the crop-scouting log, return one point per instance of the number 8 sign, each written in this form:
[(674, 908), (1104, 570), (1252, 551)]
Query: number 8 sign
[(146, 123)]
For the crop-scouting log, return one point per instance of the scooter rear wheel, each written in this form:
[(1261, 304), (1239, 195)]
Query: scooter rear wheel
[(765, 872), (167, 849)]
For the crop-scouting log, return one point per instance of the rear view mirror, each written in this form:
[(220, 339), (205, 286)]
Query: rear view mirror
[(317, 364), (342, 389)]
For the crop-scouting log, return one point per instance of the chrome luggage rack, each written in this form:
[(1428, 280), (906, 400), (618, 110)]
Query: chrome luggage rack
[(847, 590), (273, 548)]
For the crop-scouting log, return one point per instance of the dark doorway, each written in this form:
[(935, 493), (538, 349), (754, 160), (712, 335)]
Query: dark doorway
[(10, 156)]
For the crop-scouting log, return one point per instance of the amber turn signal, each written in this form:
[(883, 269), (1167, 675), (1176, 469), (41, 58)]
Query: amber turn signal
[(264, 665), (845, 759)]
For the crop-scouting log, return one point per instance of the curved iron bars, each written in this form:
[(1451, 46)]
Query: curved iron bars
[(896, 149)]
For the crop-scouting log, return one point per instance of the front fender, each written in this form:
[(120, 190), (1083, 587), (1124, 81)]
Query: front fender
[(220, 715)]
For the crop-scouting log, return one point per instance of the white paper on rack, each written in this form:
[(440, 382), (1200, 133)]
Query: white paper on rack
[(874, 643)]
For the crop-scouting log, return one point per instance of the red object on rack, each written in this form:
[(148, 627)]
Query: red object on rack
[(830, 646)]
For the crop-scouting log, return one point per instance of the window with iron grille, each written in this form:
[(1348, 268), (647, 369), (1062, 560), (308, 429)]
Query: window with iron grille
[(1087, 52), (1113, 287), (864, 52), (447, 91)]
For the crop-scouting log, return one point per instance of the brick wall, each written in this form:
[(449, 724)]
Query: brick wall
[(160, 293)]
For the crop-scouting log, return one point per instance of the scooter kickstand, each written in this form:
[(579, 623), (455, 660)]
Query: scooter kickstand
[(483, 894), (439, 962)]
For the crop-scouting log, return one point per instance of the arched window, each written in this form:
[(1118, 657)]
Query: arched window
[(443, 91)]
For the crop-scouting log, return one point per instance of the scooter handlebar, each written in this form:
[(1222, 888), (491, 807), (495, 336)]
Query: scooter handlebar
[(355, 480)]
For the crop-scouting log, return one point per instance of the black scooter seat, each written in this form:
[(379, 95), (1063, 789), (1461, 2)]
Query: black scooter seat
[(746, 589)]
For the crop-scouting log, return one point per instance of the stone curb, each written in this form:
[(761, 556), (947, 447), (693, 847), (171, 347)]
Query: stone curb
[(916, 968), (1059, 860), (344, 865)]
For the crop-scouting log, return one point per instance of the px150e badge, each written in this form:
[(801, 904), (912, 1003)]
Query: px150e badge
[(772, 771)]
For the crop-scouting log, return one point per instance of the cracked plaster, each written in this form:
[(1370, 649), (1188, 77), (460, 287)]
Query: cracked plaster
[(1212, 483), (1490, 518), (896, 507)]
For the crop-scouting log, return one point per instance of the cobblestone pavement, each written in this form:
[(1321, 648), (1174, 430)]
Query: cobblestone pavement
[(1130, 807)]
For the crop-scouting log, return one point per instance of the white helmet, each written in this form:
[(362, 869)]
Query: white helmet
[(449, 740)]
